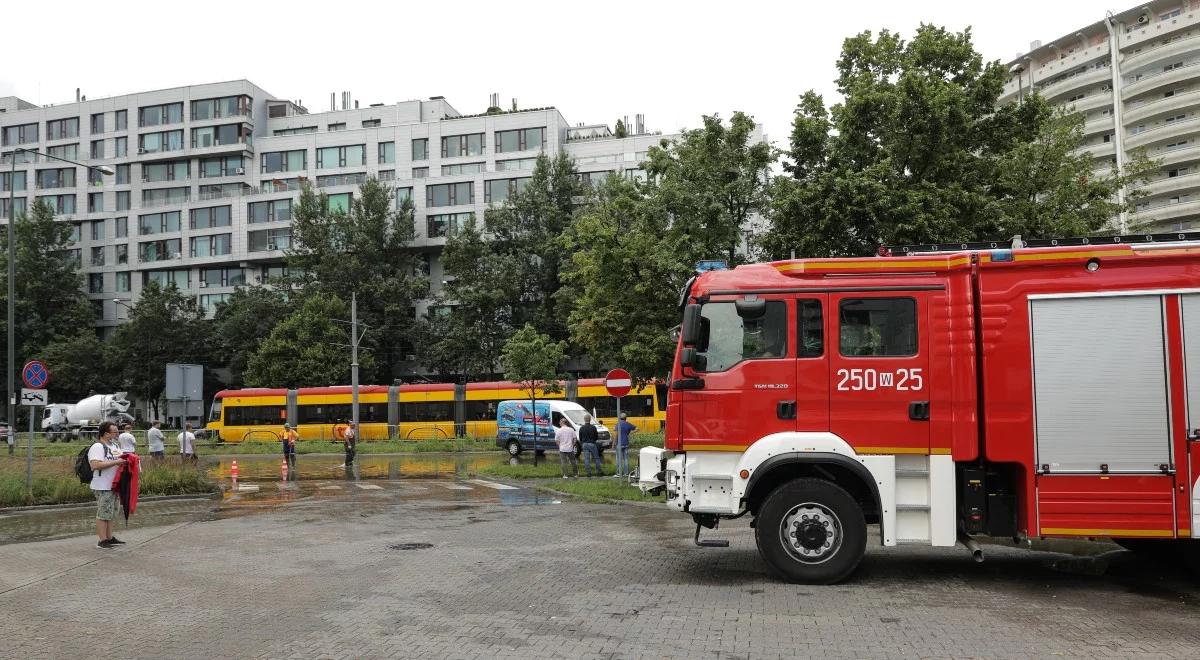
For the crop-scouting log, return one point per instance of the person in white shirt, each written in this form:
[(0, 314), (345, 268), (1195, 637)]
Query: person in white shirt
[(126, 441), (564, 436), (104, 456), (187, 442), (154, 437)]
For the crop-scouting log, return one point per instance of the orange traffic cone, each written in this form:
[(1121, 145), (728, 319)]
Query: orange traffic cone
[(283, 470), (233, 470)]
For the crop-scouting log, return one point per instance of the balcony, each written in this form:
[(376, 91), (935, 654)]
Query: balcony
[(1176, 155), (1162, 132), (1074, 83), (1097, 99), (1172, 184), (1166, 211), (1159, 53), (1156, 29), (1098, 125), (342, 180), (1150, 106), (1159, 79), (1102, 150)]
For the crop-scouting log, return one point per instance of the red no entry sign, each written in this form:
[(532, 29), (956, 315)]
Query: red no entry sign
[(618, 382)]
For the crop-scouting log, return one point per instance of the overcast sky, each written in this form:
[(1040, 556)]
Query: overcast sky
[(596, 61)]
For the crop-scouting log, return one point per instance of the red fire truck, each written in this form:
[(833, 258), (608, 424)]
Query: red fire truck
[(1023, 393)]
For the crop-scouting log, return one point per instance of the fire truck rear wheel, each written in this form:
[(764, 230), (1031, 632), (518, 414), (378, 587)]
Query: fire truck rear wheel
[(811, 531)]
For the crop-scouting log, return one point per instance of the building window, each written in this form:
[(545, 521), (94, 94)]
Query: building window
[(420, 172), (447, 224), (339, 126), (1178, 171), (462, 168), (295, 131), (209, 301), (122, 230), (177, 170), (7, 180), (98, 123), (74, 238), (270, 211), (1169, 15), (348, 156), (164, 196), (70, 151), (157, 142), (524, 139), (180, 279), (222, 190), (120, 120), (282, 185), (1175, 145), (420, 147), (97, 149), (121, 147), (1172, 120), (269, 239), (1107, 137), (387, 153), (19, 205), (370, 123), (61, 204), (593, 179), (454, 146), (122, 253), (123, 282), (210, 246), (516, 164), (222, 277), (403, 195), (226, 106), (498, 190), (211, 217), (97, 257), (216, 136), (95, 282), (158, 223), (151, 251), (1172, 66), (122, 200), (387, 175), (97, 227), (221, 166), (157, 115), (122, 174), (450, 194), (284, 161), (23, 134), (95, 202), (339, 203), (62, 129)]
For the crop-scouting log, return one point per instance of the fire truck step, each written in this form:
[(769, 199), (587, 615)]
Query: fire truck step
[(912, 541), (912, 507), (911, 473)]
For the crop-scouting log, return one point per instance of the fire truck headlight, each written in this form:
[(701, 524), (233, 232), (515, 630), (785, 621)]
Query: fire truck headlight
[(1093, 265)]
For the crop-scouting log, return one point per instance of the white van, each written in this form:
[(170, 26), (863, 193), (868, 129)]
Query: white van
[(516, 421)]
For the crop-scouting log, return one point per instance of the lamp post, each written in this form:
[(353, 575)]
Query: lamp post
[(12, 276)]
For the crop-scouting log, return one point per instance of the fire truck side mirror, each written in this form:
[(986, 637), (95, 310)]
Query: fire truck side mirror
[(750, 309), (690, 357), (690, 334)]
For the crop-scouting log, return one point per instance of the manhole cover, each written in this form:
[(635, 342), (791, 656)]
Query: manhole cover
[(410, 546)]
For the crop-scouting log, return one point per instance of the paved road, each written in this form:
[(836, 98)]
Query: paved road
[(446, 569)]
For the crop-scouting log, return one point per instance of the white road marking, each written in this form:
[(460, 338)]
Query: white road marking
[(247, 488), (453, 486), (493, 484), (329, 488), (369, 486)]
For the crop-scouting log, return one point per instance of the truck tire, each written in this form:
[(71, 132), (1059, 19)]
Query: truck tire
[(811, 531), (514, 448)]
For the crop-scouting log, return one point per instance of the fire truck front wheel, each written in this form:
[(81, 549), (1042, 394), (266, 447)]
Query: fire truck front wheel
[(811, 531)]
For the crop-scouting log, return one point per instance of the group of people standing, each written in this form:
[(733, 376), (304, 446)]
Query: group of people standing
[(289, 436), (588, 443)]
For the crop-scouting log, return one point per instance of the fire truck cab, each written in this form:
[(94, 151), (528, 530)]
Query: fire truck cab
[(1036, 392)]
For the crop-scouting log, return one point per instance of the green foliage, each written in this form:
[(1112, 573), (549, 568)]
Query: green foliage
[(622, 285), (918, 152), (242, 322), (711, 180), (366, 251), (306, 349), (531, 359), (620, 131), (78, 363), (164, 326)]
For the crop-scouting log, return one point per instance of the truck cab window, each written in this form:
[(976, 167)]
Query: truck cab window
[(878, 327), (812, 329), (729, 339)]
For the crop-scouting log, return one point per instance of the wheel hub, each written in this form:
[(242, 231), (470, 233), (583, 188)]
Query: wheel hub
[(811, 532)]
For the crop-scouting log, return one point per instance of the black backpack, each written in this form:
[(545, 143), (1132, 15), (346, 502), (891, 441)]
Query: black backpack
[(83, 467)]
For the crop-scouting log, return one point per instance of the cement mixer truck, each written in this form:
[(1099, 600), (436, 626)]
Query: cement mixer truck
[(64, 421)]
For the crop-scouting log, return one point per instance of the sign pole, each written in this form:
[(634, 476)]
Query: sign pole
[(29, 456), (35, 375)]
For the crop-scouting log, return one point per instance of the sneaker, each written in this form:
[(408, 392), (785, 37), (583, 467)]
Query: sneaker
[(115, 541), (105, 544)]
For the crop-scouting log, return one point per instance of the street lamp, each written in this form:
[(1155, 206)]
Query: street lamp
[(12, 276)]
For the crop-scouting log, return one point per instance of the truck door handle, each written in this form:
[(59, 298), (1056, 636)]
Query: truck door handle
[(786, 409), (918, 410)]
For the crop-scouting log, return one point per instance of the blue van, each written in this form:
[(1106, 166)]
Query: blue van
[(517, 421)]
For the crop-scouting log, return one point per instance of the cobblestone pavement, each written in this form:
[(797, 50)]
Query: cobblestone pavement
[(443, 569)]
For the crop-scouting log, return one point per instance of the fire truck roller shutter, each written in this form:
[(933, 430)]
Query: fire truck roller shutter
[(1100, 384), (1191, 357)]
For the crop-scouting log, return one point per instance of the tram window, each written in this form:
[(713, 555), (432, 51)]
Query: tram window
[(436, 411), (479, 411)]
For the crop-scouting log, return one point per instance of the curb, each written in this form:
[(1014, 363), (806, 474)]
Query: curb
[(606, 500), (80, 505)]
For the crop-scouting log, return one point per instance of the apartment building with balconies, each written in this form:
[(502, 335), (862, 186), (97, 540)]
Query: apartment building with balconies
[(206, 176), (1135, 76)]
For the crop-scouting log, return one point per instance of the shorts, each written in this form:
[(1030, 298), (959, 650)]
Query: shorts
[(106, 504), (156, 454)]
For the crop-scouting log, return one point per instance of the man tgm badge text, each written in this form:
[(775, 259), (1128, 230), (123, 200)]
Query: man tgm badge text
[(770, 386)]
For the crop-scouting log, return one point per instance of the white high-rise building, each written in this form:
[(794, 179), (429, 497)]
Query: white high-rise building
[(206, 176), (1135, 75)]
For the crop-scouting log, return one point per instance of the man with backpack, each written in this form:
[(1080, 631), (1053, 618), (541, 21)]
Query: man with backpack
[(97, 467)]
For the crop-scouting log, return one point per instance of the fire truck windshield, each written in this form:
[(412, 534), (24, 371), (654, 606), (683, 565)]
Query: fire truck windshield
[(727, 339)]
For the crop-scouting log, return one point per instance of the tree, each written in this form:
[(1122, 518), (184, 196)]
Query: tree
[(526, 230), (164, 326), (712, 180), (307, 348), (78, 363), (531, 360), (365, 250), (242, 322), (919, 152), (50, 305), (622, 284), (620, 130)]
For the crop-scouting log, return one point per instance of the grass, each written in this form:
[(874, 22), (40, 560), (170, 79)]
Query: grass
[(600, 490), (205, 448), (54, 481)]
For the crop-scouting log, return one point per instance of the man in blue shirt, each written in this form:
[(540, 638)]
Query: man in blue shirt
[(624, 429)]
